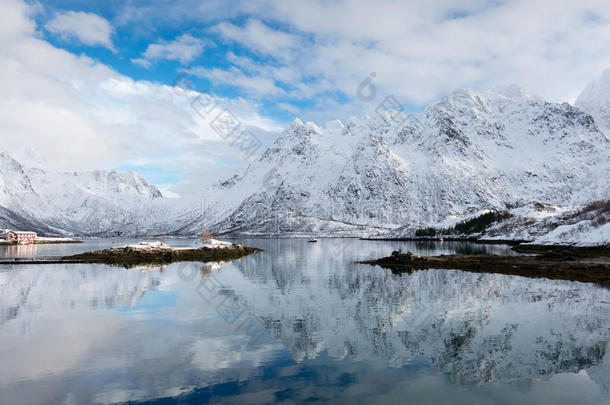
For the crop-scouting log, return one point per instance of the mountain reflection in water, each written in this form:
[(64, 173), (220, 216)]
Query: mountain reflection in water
[(334, 331)]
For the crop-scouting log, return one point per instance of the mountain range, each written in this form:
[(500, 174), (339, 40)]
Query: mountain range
[(500, 149), (93, 203)]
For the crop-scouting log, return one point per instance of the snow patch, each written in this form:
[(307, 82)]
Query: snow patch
[(580, 234), (147, 245), (211, 244)]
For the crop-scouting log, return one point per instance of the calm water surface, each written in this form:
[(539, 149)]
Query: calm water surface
[(299, 322)]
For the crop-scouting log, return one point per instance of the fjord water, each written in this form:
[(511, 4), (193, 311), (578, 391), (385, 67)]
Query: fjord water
[(298, 322)]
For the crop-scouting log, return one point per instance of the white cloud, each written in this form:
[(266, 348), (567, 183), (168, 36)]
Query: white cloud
[(145, 63), (90, 29), (256, 86), (81, 114), (259, 80), (13, 22), (183, 49), (289, 108), (287, 74), (420, 50), (259, 37), (148, 15)]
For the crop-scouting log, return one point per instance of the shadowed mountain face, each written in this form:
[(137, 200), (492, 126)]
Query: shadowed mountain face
[(321, 321)]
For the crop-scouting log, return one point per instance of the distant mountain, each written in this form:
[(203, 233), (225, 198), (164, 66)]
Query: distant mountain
[(498, 149), (86, 203)]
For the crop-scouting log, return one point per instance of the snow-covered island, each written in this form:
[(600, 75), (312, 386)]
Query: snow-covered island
[(157, 252)]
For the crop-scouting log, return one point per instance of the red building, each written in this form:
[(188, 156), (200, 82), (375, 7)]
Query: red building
[(20, 236)]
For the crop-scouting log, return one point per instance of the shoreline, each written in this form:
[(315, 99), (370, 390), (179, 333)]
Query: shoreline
[(129, 257), (40, 242), (556, 263), (580, 251), (518, 245), (20, 260), (511, 242)]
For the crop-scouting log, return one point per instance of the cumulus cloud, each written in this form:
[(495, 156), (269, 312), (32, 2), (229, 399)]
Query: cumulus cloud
[(419, 50), (422, 50), (259, 37), (256, 86), (90, 29), (149, 15), (289, 108), (13, 22), (183, 49)]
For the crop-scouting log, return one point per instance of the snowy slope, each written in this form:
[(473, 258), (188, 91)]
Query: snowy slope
[(86, 203), (470, 151), (545, 224), (595, 99), (15, 192)]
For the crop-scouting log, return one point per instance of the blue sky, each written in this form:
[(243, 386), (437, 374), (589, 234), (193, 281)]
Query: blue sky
[(97, 76), (210, 50)]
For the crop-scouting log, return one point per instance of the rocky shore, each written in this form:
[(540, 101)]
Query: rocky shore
[(159, 253), (591, 266)]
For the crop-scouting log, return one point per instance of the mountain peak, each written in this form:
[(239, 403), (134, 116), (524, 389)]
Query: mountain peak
[(296, 123), (464, 98), (299, 128), (515, 92), (598, 90), (595, 100)]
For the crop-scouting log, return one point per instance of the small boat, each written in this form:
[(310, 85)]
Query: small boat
[(312, 240)]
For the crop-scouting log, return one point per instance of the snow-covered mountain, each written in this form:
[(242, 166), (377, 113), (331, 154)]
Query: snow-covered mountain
[(497, 149), (471, 151), (595, 99), (86, 203)]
